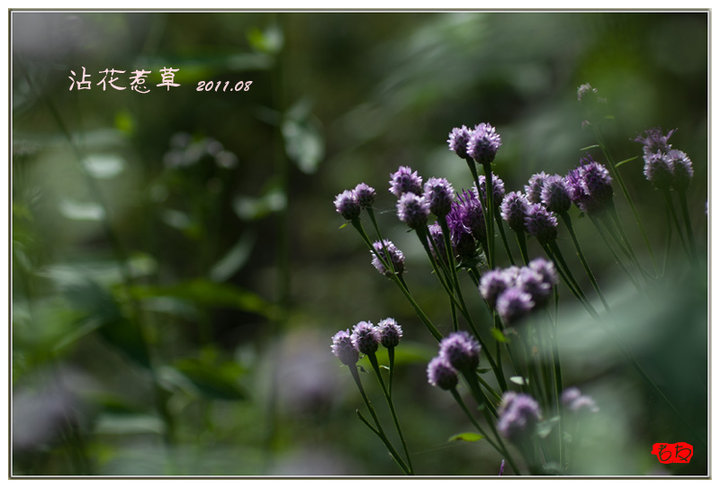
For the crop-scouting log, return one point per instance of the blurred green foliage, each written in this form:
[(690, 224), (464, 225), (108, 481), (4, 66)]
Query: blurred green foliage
[(177, 268)]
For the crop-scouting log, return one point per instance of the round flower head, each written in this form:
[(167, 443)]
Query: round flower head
[(484, 143), (682, 169), (513, 304), (555, 194), (346, 204), (365, 337), (655, 141), (387, 250), (532, 283), (439, 195), (458, 140), (569, 395), (541, 223), (343, 348), (405, 180), (576, 402), (413, 210), (498, 190), (513, 210), (597, 184), (365, 195), (546, 269), (573, 180), (658, 170), (519, 417), (441, 374), (461, 238), (390, 332), (461, 350), (584, 89), (471, 214), (533, 189), (493, 283)]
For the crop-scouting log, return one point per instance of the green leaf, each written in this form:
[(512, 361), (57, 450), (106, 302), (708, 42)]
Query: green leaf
[(626, 161), (268, 41), (207, 293), (74, 210), (250, 208), (499, 336), (587, 148), (343, 226), (519, 380), (213, 380), (467, 437), (235, 258), (544, 428), (304, 144)]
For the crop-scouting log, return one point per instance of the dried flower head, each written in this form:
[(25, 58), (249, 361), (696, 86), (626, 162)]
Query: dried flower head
[(346, 204), (405, 180), (458, 140), (513, 210), (441, 374), (343, 348), (413, 210), (484, 143), (439, 195), (365, 337), (461, 350), (390, 254), (390, 332)]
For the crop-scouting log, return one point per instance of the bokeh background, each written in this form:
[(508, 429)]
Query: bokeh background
[(178, 267)]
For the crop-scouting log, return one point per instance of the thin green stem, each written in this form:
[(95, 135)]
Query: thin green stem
[(487, 209), (676, 222), (503, 237), (522, 244), (609, 246), (682, 196)]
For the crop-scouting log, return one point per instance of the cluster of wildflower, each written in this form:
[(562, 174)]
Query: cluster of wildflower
[(480, 143), (514, 292), (665, 167), (523, 215), (576, 402), (518, 415), (365, 338), (458, 352), (350, 203)]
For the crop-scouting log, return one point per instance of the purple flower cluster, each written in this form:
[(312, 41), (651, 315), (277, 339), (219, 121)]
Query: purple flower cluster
[(480, 144), (513, 209), (533, 189), (665, 167), (467, 225), (498, 189), (439, 195), (575, 401), (514, 292), (350, 203), (541, 223), (459, 351), (390, 254), (590, 186), (534, 218), (518, 415), (365, 338), (413, 210), (405, 180)]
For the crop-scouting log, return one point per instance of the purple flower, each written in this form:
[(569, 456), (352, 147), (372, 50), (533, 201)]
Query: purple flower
[(533, 189), (532, 283), (513, 210), (461, 238), (389, 253), (654, 140), (546, 269), (390, 332), (441, 374), (658, 170), (513, 304), (365, 195), (405, 180), (498, 190), (343, 348), (365, 337), (439, 195), (541, 223), (682, 169), (471, 214), (484, 143), (576, 402), (518, 417), (461, 350), (590, 186), (437, 241), (584, 89), (493, 283), (346, 204), (413, 210), (555, 194), (458, 140)]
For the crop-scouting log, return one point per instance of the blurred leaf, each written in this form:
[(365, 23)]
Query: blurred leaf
[(248, 208), (467, 437), (498, 335), (269, 41), (626, 161), (114, 424), (208, 294), (104, 166), (234, 259), (519, 380), (75, 210), (124, 122), (544, 428), (217, 381), (587, 148), (304, 142)]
